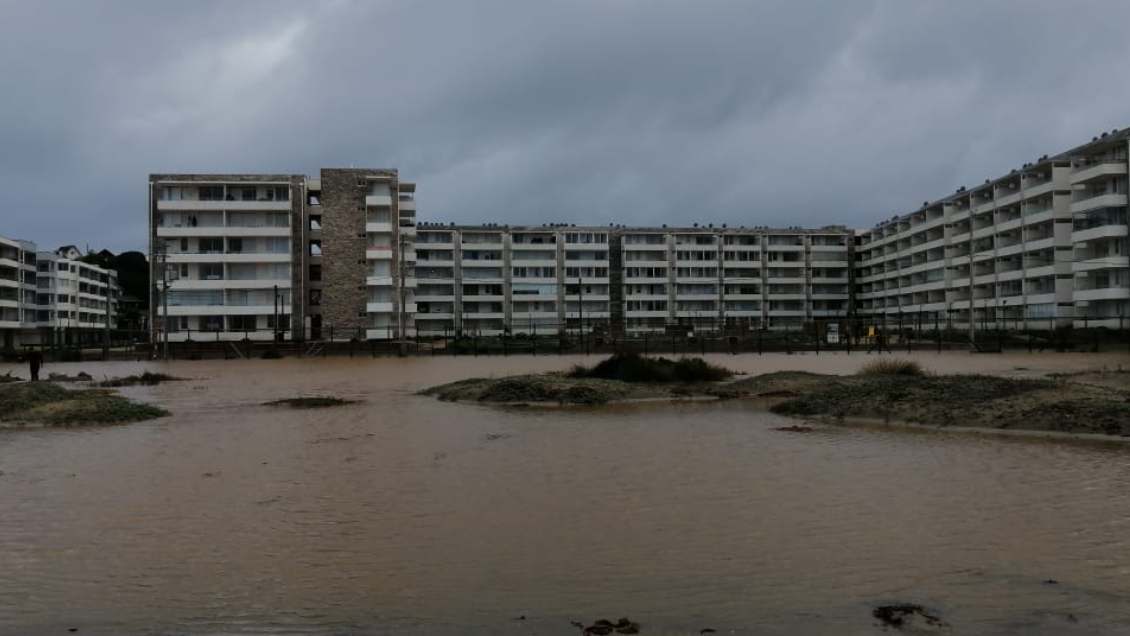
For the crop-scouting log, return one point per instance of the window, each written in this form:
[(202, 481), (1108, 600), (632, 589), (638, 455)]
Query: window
[(241, 323), (284, 322), (211, 193), (247, 194), (212, 271), (315, 297), (315, 272), (211, 245), (235, 245), (174, 193), (184, 245)]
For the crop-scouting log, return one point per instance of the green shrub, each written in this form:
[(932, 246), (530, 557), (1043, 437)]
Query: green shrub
[(892, 366), (632, 367)]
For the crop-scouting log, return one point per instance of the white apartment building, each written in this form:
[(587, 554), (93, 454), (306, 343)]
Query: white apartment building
[(49, 299), (75, 299), (18, 306), (1043, 246), (343, 257), (489, 279), (221, 254)]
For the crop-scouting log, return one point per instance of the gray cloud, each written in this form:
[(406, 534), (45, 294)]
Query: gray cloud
[(641, 112)]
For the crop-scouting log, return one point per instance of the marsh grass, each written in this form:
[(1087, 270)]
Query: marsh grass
[(632, 367), (49, 403)]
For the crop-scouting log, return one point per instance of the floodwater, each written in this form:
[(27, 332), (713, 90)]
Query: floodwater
[(403, 514)]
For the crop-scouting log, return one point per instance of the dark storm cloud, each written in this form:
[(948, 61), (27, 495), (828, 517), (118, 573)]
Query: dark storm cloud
[(747, 113)]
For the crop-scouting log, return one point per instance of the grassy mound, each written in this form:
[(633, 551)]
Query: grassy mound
[(533, 388), (632, 367), (310, 402), (885, 394), (49, 403)]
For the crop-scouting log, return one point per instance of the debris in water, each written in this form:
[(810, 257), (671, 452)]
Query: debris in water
[(902, 613)]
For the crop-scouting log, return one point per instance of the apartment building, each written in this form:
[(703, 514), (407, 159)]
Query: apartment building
[(75, 299), (263, 256), (18, 308), (490, 279), (1044, 245), (342, 256), (46, 298)]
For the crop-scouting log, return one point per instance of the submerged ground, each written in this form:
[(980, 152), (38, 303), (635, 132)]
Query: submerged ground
[(403, 513)]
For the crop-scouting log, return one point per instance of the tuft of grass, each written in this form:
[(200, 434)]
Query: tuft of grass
[(310, 402), (892, 366), (632, 367)]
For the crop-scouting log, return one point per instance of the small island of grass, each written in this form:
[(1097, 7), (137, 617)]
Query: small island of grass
[(900, 391), (891, 390), (621, 377), (49, 404)]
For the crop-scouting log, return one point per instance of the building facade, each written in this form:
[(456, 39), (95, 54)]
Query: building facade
[(50, 299), (1042, 246), (343, 257)]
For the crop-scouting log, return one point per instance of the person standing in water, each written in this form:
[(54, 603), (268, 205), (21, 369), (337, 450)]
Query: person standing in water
[(34, 360)]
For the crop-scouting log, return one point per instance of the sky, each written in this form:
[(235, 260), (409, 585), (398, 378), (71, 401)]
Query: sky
[(750, 112)]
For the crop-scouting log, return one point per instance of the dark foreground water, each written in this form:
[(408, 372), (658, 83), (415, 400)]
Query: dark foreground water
[(402, 514)]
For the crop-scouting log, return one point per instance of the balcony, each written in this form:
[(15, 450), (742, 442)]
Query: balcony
[(378, 200), (378, 253), (229, 257), (1106, 200), (185, 205), (1109, 168), (378, 227), (1106, 262), (261, 283), (383, 307), (1102, 293), (219, 231)]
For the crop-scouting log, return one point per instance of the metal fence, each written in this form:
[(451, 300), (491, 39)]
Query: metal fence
[(859, 335)]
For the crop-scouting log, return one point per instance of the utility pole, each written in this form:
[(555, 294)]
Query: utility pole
[(581, 308), (162, 249), (400, 315), (276, 325), (106, 327)]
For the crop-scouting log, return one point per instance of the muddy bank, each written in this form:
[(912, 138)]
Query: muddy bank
[(47, 403), (562, 390), (983, 401)]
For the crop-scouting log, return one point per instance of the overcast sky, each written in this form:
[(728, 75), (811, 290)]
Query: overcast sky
[(587, 111)]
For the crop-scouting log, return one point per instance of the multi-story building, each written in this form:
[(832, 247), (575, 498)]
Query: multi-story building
[(226, 254), (264, 256), (76, 300), (342, 257), (1044, 245), (46, 298), (18, 307)]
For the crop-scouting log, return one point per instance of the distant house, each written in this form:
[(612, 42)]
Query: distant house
[(69, 252)]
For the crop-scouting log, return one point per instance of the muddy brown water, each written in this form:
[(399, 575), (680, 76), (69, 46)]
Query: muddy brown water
[(403, 514)]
